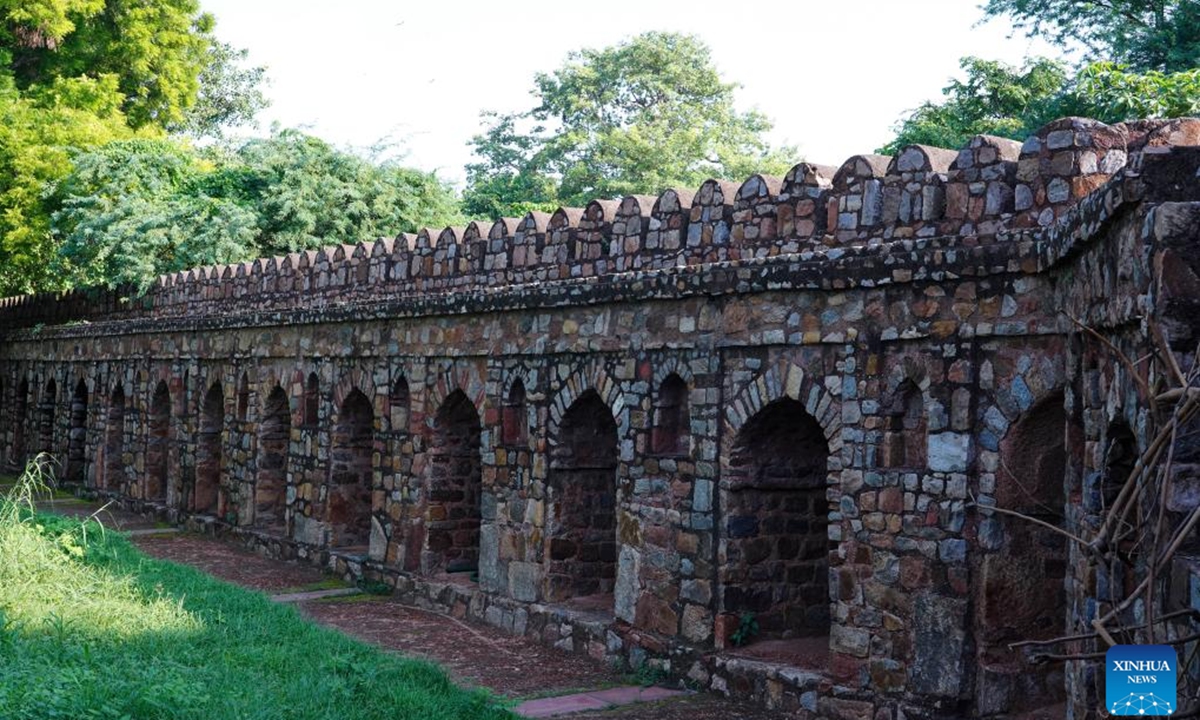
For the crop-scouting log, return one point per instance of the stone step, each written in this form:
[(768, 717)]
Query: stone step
[(142, 532), (593, 700), (315, 595)]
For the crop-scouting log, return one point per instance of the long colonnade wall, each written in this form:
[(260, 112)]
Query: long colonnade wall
[(795, 399)]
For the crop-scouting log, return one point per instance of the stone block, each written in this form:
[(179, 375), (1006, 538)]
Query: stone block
[(523, 579), (939, 640), (627, 588), (489, 562), (377, 549), (948, 452), (697, 625), (851, 641)]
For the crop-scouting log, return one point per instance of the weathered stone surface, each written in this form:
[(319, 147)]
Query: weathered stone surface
[(850, 641), (627, 588), (938, 645), (798, 400), (949, 452), (523, 579), (378, 541)]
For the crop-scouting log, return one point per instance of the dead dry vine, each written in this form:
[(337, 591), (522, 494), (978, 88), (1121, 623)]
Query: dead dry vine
[(1138, 538)]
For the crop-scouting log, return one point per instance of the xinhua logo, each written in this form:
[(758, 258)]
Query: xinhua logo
[(1140, 679)]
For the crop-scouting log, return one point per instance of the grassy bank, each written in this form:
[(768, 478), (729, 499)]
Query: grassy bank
[(91, 628)]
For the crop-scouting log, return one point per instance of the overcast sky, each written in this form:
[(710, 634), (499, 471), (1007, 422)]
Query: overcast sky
[(832, 76)]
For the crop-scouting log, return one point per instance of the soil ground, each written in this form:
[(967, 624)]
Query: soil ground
[(474, 654)]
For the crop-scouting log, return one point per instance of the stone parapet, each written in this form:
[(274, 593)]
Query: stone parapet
[(992, 190)]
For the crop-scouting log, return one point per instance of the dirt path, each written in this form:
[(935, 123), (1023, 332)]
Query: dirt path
[(474, 654), (234, 563)]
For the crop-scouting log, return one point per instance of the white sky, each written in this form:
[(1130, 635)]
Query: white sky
[(832, 76)]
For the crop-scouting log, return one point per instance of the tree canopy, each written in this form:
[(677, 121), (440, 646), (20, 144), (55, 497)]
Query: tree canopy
[(993, 99), (76, 75), (1162, 35), (229, 93), (133, 210), (640, 116), (1142, 60), (307, 193), (37, 132), (163, 55), (999, 99)]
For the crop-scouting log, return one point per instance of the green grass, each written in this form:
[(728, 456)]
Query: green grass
[(91, 628), (329, 583), (360, 598)]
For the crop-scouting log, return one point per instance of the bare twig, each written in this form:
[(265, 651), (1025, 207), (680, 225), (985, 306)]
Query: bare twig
[(1075, 538), (1174, 394), (1183, 533), (1137, 537), (1120, 508), (1092, 636), (1054, 657), (1129, 364), (1164, 350)]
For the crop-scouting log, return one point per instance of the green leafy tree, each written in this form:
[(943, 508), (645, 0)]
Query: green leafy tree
[(998, 99), (170, 69), (1113, 93), (1161, 35), (156, 50), (31, 25), (38, 131), (133, 210), (308, 194), (76, 74), (646, 114), (994, 99), (229, 94)]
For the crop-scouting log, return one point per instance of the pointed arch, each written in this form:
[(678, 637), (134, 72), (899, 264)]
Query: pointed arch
[(399, 404), (360, 378), (114, 441), (271, 480), (19, 420), (514, 419), (209, 451), (780, 457), (77, 434), (581, 517), (592, 377), (453, 512), (1120, 456), (46, 417), (670, 434), (312, 401), (773, 536), (243, 398), (458, 376), (1019, 589), (904, 434), (348, 510), (785, 379), (158, 443)]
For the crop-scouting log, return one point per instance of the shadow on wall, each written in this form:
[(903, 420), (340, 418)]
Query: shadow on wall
[(774, 558), (581, 518)]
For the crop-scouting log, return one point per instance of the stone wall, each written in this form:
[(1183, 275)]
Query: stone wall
[(625, 428)]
